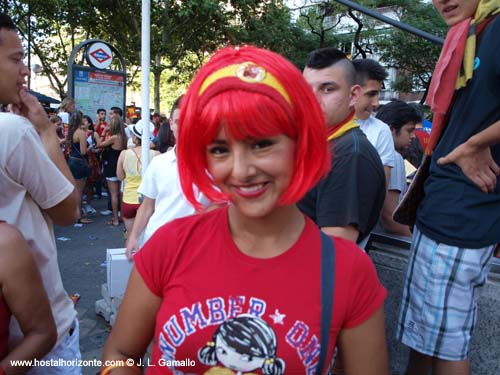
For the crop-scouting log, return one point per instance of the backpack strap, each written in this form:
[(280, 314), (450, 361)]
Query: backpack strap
[(327, 288)]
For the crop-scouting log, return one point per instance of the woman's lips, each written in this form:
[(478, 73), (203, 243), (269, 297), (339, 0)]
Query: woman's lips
[(251, 191)]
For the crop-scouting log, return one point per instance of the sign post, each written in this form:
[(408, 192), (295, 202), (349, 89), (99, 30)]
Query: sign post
[(94, 86)]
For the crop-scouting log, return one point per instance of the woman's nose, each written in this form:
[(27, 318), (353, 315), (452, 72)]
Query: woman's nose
[(243, 164)]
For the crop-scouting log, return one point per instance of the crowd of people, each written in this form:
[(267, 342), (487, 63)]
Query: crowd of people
[(248, 227), (95, 158)]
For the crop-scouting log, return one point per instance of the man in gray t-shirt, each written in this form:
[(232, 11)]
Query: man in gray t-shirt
[(402, 120)]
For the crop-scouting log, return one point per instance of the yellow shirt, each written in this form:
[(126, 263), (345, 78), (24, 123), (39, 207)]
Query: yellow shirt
[(132, 167)]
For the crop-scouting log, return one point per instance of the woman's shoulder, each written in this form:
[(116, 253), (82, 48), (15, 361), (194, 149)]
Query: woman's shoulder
[(79, 134), (349, 256), (175, 242), (192, 228), (128, 152), (198, 220)]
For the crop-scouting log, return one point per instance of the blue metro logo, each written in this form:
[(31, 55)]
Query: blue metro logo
[(100, 55)]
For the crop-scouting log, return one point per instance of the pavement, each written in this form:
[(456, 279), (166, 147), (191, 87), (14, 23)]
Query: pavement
[(82, 256)]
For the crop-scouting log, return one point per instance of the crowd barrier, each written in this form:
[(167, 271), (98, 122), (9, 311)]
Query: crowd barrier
[(390, 256)]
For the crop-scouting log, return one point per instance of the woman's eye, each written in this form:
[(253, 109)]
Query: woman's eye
[(262, 143), (217, 150)]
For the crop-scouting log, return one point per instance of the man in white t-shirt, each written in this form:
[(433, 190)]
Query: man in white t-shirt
[(37, 191), (370, 76), (163, 199)]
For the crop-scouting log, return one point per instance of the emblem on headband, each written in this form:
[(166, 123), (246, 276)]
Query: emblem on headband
[(250, 72)]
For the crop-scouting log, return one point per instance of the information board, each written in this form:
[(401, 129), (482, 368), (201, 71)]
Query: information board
[(95, 89)]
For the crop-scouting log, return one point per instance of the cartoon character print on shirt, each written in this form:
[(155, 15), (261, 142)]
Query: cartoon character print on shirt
[(242, 344)]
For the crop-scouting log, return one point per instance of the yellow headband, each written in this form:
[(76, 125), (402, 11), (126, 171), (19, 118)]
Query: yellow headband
[(247, 72)]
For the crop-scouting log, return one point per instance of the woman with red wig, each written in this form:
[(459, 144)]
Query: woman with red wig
[(237, 290)]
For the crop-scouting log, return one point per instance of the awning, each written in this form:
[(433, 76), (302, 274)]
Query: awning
[(44, 99)]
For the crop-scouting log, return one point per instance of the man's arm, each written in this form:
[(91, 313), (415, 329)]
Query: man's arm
[(475, 160), (387, 173), (66, 211), (390, 204), (144, 213), (348, 196)]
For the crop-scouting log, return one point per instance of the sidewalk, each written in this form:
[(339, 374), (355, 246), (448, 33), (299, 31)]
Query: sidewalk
[(82, 253)]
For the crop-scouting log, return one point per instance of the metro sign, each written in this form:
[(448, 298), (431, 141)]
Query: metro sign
[(99, 55)]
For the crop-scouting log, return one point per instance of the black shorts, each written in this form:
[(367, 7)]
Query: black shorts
[(79, 168)]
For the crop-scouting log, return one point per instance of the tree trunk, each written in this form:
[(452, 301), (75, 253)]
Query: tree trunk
[(357, 35), (156, 76)]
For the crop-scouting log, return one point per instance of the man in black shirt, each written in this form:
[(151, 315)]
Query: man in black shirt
[(347, 202)]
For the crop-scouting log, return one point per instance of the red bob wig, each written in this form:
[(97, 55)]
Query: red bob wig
[(254, 93)]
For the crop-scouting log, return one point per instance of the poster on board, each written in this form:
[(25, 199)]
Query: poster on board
[(95, 89)]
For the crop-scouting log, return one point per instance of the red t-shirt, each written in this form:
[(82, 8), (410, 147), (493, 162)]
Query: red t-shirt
[(224, 311), (101, 128)]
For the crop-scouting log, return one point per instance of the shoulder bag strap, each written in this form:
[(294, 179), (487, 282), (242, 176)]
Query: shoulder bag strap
[(327, 288), (139, 163)]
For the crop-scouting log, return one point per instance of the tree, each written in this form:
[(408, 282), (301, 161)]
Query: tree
[(51, 28), (181, 31), (320, 20), (184, 33), (414, 57), (330, 24), (268, 26)]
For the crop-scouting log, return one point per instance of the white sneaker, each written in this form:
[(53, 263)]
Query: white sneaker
[(89, 210), (106, 212)]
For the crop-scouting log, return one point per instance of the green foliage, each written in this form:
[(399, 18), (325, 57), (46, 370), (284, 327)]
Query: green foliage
[(185, 33), (413, 56)]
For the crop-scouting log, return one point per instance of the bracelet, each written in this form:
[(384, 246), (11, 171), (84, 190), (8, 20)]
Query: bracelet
[(106, 370)]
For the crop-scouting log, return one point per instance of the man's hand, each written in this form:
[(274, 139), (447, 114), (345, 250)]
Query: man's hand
[(31, 108), (132, 247), (476, 163)]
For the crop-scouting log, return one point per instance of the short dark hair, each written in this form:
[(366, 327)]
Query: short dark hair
[(100, 109), (322, 58), (6, 22), (397, 113), (367, 69), (117, 110), (176, 105)]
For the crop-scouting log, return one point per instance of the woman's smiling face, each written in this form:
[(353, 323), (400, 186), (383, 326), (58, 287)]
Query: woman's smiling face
[(254, 172)]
